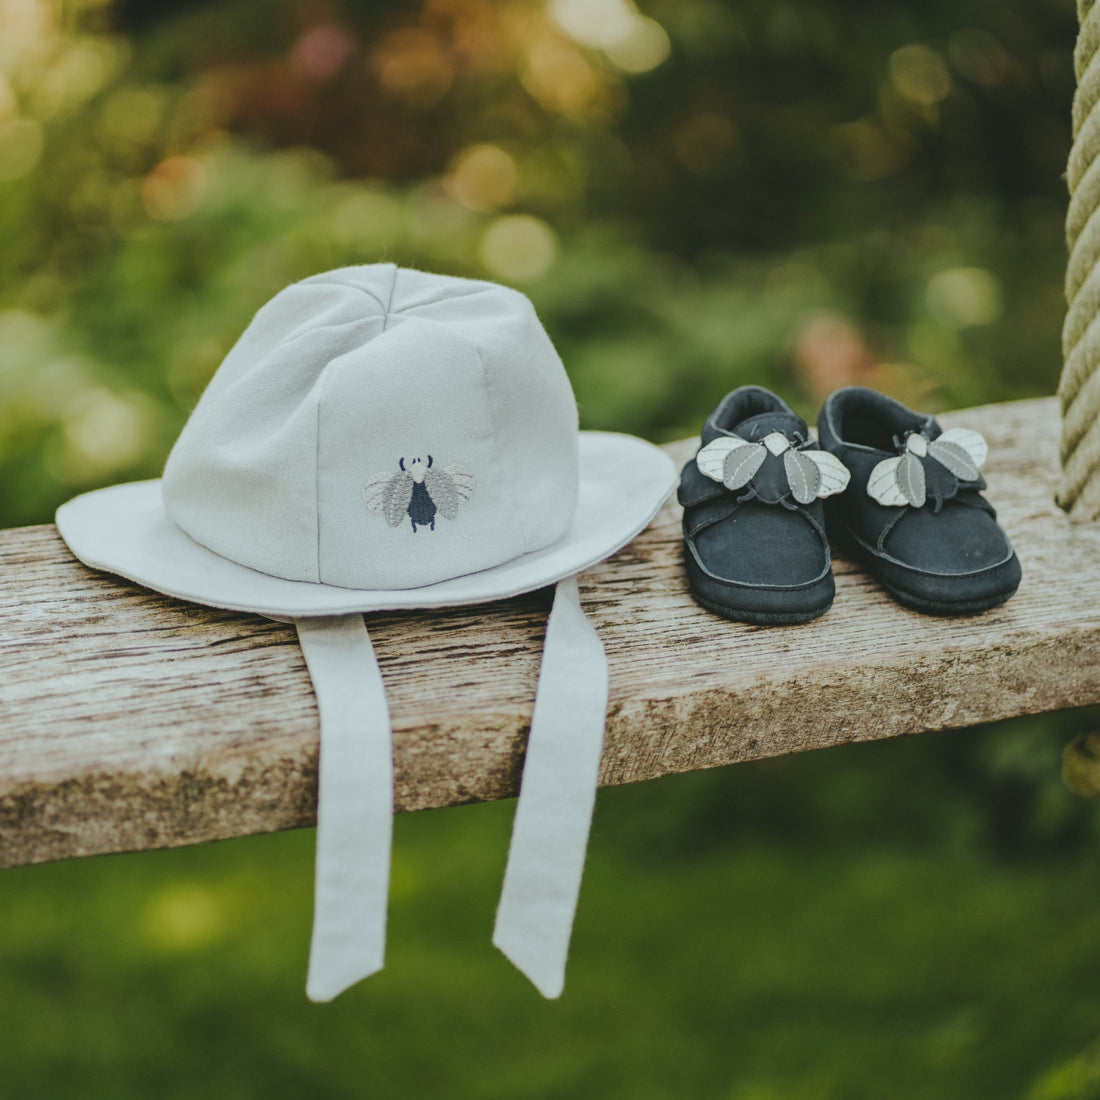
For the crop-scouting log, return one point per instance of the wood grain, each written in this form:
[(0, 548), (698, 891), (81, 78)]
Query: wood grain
[(132, 721)]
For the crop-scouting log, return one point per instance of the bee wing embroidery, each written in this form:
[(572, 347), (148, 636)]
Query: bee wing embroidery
[(465, 482), (897, 481), (449, 487), (374, 492), (389, 495), (813, 475), (961, 450), (731, 460)]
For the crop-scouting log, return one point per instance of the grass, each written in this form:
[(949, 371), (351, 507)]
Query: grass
[(894, 955)]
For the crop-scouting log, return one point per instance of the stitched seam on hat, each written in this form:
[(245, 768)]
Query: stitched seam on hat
[(485, 288), (386, 307), (349, 286), (389, 301), (493, 422), (317, 473)]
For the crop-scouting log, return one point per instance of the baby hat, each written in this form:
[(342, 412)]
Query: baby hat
[(381, 438)]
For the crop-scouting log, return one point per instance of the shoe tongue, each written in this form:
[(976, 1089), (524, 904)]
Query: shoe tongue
[(756, 427)]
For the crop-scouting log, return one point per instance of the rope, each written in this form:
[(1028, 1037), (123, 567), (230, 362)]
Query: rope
[(1079, 390)]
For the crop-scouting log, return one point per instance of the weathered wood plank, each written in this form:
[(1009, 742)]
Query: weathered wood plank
[(131, 721)]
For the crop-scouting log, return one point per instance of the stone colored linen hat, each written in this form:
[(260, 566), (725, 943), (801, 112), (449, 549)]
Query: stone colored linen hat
[(381, 438)]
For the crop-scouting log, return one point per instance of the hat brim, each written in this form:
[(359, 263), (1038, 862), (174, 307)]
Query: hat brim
[(125, 530)]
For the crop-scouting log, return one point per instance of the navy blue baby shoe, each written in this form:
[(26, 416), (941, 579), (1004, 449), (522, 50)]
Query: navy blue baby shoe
[(913, 513), (755, 547)]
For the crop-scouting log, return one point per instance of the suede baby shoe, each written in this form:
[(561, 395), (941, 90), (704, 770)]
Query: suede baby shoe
[(913, 512), (755, 547)]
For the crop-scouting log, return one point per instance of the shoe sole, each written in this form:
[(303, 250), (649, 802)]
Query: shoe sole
[(961, 607), (850, 547), (759, 618)]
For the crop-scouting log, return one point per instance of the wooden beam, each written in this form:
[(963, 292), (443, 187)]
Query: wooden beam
[(132, 721)]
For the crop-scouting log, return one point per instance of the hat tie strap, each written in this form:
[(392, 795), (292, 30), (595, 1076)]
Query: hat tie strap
[(354, 804), (557, 795)]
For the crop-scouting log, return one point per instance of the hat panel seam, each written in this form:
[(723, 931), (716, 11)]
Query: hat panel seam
[(320, 393), (387, 307), (437, 300), (491, 412), (348, 286), (389, 302)]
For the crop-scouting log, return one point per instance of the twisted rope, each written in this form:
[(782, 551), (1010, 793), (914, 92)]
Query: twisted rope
[(1079, 389)]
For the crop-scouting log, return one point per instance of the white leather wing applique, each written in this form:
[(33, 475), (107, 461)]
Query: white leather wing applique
[(900, 480), (811, 475)]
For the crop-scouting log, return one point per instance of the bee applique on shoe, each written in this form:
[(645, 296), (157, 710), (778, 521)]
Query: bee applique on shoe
[(958, 453), (914, 513), (419, 490), (755, 548)]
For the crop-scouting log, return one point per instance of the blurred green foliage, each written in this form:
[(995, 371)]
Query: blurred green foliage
[(834, 926), (793, 193), (798, 193)]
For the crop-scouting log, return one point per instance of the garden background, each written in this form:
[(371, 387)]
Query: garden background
[(697, 195)]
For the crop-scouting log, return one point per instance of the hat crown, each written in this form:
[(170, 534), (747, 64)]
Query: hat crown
[(378, 427)]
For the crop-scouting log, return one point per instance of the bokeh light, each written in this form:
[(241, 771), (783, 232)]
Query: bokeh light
[(920, 74), (102, 432), (413, 65), (643, 47), (183, 917), (518, 248), (964, 296), (483, 177), (321, 52), (173, 189)]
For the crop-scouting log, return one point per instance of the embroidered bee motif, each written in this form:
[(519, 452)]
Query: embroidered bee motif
[(810, 474), (901, 479), (420, 491)]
